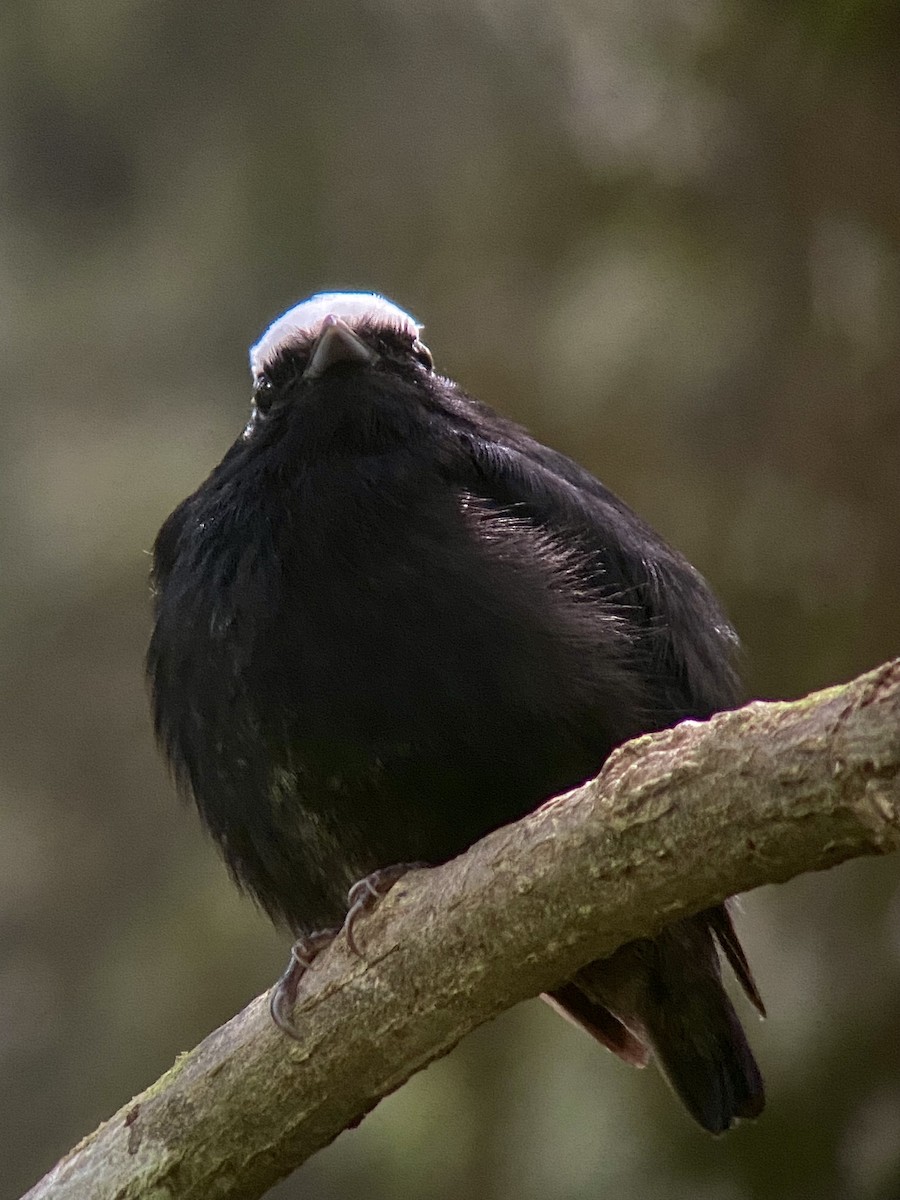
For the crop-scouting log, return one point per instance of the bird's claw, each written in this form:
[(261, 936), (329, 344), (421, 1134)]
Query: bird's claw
[(283, 996), (362, 897), (366, 893)]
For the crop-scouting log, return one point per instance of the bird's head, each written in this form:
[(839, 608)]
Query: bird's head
[(328, 334)]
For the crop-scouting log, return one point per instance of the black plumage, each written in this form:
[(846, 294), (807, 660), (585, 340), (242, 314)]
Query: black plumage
[(390, 621)]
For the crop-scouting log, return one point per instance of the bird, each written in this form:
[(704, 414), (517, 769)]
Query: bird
[(390, 621)]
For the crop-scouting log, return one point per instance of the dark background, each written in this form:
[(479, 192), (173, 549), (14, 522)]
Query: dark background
[(667, 236)]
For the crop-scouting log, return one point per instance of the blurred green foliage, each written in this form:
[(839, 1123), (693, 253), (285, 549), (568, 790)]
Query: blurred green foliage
[(667, 236)]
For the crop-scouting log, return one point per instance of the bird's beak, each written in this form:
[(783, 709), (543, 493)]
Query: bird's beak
[(337, 343)]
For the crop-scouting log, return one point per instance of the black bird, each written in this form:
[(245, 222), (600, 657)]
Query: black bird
[(391, 621)]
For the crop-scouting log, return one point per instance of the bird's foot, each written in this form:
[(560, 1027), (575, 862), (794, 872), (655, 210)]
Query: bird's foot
[(366, 893), (362, 897), (284, 994)]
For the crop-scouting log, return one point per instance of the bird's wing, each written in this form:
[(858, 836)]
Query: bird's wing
[(688, 642)]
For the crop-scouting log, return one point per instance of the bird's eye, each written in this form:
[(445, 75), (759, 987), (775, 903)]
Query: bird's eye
[(263, 394), (423, 355)]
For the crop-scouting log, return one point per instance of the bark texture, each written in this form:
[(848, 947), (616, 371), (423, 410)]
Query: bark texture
[(675, 822)]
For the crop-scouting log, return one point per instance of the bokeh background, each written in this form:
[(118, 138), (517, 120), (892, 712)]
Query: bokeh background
[(667, 236)]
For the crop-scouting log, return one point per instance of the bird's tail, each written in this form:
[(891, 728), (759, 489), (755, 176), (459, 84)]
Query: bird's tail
[(665, 996)]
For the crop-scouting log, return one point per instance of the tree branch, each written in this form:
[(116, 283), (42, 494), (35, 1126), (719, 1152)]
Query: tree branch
[(675, 822)]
